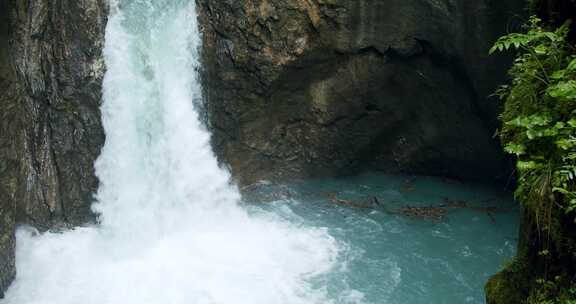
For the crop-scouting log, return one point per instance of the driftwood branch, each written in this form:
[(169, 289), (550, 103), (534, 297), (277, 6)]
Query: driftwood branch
[(438, 212)]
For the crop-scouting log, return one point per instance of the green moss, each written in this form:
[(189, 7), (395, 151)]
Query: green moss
[(507, 286)]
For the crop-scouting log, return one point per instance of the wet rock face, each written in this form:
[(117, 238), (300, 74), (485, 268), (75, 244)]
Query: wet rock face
[(300, 88), (51, 70), (7, 246)]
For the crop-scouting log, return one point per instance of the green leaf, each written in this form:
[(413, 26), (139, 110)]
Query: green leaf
[(527, 165), (558, 75), (566, 144), (561, 190), (572, 65), (517, 149), (493, 49), (550, 36), (541, 50), (565, 90)]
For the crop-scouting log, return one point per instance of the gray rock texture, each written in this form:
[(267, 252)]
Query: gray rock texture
[(305, 88), (51, 70)]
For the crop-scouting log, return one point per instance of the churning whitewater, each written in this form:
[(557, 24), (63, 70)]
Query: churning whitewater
[(170, 228)]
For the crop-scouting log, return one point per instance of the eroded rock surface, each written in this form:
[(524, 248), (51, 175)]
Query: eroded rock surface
[(51, 70), (300, 88)]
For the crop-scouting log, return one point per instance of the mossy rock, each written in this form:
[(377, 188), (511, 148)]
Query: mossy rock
[(506, 287)]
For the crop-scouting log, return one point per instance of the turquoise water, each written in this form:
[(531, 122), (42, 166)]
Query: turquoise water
[(394, 259)]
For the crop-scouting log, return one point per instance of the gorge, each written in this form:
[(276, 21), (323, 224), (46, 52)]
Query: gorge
[(105, 145)]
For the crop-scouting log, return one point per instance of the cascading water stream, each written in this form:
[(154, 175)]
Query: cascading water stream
[(171, 230)]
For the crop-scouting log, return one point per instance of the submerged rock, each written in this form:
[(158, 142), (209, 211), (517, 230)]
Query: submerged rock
[(51, 71), (299, 88)]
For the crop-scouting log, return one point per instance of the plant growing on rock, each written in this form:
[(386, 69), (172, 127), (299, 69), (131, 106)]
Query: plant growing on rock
[(539, 120), (539, 128)]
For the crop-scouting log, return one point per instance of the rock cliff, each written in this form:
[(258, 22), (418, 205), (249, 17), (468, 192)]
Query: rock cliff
[(300, 88), (51, 71)]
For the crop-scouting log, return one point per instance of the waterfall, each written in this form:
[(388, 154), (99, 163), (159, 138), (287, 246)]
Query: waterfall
[(171, 229)]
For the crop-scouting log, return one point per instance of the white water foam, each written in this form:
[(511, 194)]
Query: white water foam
[(171, 230)]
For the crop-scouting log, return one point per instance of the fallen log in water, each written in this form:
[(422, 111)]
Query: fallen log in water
[(426, 212), (431, 212), (370, 204)]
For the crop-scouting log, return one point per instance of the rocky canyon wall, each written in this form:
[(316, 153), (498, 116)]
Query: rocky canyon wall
[(51, 71), (304, 88)]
